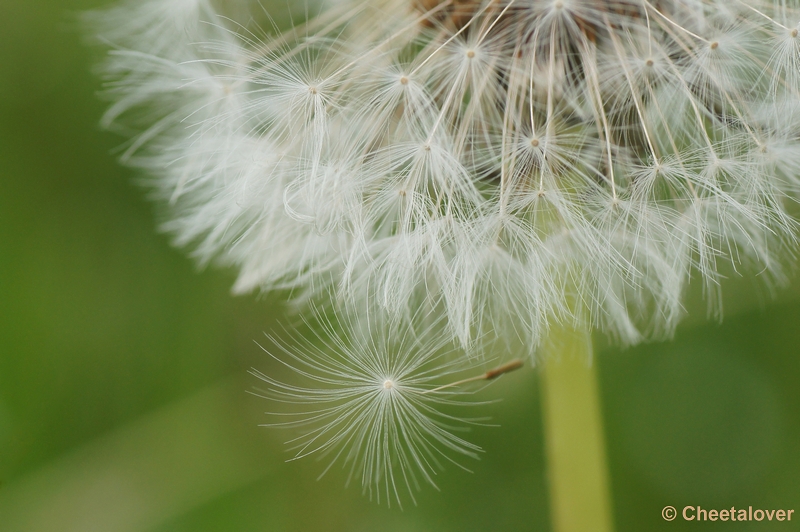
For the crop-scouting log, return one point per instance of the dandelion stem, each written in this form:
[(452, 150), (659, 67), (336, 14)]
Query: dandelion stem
[(489, 375), (580, 496)]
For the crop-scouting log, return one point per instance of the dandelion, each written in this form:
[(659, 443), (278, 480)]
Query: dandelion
[(371, 402), (521, 165), (519, 162)]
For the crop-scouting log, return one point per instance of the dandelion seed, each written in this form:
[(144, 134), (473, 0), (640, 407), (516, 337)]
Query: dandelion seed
[(372, 404)]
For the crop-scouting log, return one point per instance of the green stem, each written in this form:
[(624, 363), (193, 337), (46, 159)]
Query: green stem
[(580, 498)]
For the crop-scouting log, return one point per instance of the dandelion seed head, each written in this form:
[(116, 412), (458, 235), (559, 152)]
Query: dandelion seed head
[(509, 164), (513, 163)]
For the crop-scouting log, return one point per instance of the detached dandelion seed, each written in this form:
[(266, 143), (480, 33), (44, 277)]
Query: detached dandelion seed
[(371, 403)]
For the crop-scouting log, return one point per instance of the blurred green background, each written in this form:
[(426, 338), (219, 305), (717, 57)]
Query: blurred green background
[(123, 368)]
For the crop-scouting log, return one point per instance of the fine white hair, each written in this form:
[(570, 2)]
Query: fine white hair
[(370, 398)]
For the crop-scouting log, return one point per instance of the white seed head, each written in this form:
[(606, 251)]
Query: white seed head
[(536, 161)]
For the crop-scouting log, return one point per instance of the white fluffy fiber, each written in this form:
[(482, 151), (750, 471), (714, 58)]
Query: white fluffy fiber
[(528, 162), (369, 399)]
